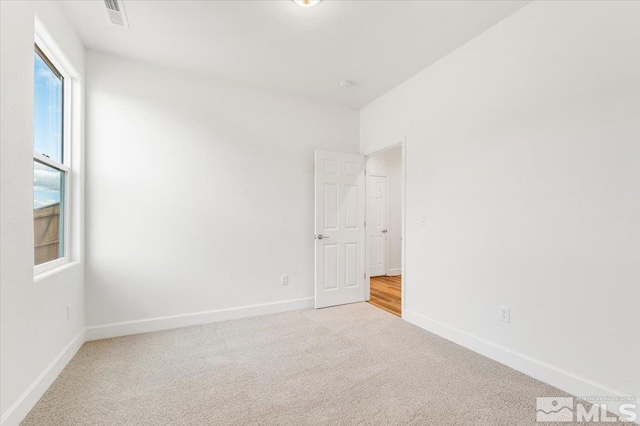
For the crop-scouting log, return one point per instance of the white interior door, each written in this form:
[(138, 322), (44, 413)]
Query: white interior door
[(377, 208), (340, 231)]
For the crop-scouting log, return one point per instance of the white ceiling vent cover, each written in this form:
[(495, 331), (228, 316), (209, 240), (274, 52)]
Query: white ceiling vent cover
[(117, 15)]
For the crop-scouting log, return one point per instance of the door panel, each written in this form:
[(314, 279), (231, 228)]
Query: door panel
[(340, 252), (377, 206)]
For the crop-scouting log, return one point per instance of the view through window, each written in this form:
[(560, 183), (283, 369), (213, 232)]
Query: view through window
[(49, 171)]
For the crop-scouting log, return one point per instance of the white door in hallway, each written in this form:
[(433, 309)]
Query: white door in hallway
[(339, 229), (377, 224)]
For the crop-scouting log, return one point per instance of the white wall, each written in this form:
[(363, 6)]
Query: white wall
[(523, 150), (34, 325), (199, 195), (389, 162)]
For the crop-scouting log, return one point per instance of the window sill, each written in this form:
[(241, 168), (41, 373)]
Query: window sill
[(53, 269)]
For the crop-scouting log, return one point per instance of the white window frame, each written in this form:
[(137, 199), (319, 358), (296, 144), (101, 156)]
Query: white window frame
[(65, 166)]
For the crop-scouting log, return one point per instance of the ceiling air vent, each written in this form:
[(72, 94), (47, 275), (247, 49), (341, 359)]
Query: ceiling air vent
[(115, 9)]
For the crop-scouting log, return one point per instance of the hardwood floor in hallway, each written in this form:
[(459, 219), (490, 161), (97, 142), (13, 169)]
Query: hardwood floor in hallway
[(386, 293)]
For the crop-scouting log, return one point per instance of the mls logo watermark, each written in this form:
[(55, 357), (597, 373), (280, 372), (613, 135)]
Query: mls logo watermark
[(554, 409), (586, 409)]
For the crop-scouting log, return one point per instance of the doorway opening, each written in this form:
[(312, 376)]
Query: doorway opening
[(384, 212)]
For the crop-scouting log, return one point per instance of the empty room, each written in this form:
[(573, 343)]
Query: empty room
[(319, 212)]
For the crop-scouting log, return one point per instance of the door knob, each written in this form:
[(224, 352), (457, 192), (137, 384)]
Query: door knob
[(321, 237)]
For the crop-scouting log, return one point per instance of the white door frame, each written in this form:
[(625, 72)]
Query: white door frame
[(403, 145)]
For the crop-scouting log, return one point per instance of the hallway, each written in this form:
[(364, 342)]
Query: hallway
[(386, 293)]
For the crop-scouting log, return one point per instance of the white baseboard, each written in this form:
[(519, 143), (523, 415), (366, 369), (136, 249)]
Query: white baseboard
[(555, 376), (394, 271), (19, 409), (196, 318)]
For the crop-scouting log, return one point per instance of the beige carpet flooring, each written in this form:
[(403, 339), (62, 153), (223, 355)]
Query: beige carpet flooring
[(348, 365)]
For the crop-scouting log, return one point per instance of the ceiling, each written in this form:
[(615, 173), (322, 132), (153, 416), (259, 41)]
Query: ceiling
[(281, 46)]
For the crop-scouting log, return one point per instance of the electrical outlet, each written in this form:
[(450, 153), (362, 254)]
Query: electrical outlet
[(504, 314), (69, 311), (423, 219), (284, 279)]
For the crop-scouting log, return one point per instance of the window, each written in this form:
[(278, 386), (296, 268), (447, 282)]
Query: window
[(50, 169)]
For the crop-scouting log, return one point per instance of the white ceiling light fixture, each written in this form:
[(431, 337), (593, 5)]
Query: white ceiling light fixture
[(306, 3), (346, 84)]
